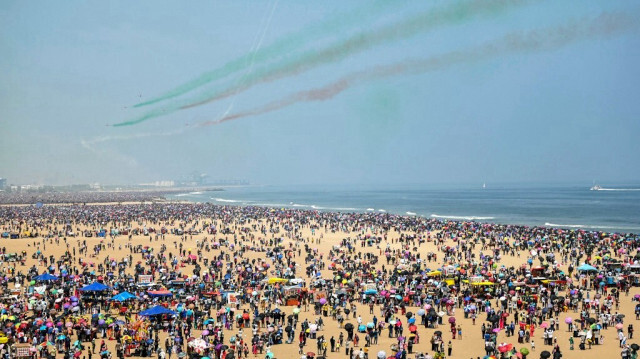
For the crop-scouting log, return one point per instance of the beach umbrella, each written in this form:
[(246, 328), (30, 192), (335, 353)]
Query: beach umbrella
[(409, 314), (544, 325), (413, 328), (619, 326), (635, 346), (421, 312), (545, 354), (348, 327), (452, 320), (568, 320), (437, 332), (370, 325), (382, 354), (524, 351)]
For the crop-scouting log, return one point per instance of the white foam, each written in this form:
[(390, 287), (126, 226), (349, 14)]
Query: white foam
[(411, 213), (195, 193), (225, 200), (382, 210), (588, 226), (371, 209), (619, 189), (466, 218)]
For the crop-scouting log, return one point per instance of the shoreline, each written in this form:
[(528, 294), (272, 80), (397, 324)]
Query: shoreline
[(364, 214)]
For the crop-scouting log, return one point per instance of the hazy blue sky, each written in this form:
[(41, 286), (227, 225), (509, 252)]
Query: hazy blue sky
[(564, 109)]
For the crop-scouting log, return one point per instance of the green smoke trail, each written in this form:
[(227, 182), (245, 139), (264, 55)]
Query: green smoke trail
[(363, 41), (539, 40), (447, 15), (285, 45)]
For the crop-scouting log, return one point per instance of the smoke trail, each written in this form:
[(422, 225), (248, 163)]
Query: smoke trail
[(405, 28), (254, 50), (366, 40), (539, 40), (285, 45)]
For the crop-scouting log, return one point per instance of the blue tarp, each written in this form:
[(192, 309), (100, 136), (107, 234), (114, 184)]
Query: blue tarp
[(587, 268), (121, 297), (95, 287), (157, 310), (45, 276)]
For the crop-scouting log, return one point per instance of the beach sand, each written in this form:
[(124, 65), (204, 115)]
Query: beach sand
[(470, 345)]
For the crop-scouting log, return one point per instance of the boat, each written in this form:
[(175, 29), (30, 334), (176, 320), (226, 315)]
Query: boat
[(484, 185), (596, 188)]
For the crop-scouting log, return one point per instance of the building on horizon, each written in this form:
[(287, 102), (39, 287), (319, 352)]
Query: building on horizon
[(3, 183)]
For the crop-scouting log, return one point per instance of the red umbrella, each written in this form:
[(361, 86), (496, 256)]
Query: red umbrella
[(413, 328), (452, 320)]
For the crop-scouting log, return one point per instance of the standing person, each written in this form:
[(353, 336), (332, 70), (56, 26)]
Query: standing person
[(449, 348)]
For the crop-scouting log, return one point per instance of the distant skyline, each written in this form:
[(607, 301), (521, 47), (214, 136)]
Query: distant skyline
[(363, 92)]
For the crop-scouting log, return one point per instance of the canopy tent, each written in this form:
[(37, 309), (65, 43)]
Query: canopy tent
[(277, 280), (157, 310), (121, 297), (587, 268), (160, 293), (95, 287), (45, 277)]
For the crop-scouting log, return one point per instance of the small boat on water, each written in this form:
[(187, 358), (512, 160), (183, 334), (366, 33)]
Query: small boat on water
[(596, 188)]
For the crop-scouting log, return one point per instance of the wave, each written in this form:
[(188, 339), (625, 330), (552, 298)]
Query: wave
[(195, 193), (466, 218), (371, 209), (411, 213), (619, 189), (588, 226), (226, 200), (382, 210)]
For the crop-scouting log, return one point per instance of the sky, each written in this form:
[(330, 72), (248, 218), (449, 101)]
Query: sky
[(331, 92)]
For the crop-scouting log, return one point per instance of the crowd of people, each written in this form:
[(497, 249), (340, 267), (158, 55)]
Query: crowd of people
[(208, 281)]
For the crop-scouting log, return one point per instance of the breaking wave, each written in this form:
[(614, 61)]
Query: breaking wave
[(465, 218)]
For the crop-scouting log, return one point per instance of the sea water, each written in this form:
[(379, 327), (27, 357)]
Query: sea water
[(614, 209)]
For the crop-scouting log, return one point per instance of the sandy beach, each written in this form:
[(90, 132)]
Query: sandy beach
[(316, 246)]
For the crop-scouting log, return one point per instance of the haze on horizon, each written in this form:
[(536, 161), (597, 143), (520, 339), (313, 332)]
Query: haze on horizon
[(286, 92)]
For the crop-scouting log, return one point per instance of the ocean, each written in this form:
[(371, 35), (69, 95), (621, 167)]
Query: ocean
[(613, 209)]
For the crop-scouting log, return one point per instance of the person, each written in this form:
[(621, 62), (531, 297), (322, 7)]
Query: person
[(533, 346), (570, 343), (630, 331), (449, 348)]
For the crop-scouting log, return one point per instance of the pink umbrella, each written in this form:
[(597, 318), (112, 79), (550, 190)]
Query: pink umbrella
[(619, 326), (496, 330), (568, 320), (544, 325)]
